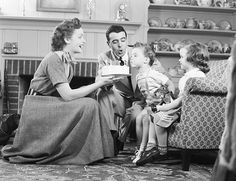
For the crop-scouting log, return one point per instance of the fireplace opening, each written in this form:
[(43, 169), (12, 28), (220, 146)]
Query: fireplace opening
[(24, 83), (76, 82)]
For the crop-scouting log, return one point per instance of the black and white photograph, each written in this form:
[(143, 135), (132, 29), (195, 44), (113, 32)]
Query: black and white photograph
[(118, 90)]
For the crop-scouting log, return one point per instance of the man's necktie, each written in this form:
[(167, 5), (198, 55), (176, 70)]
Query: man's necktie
[(121, 61)]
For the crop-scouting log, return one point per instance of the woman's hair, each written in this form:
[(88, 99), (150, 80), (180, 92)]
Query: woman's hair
[(147, 51), (198, 55), (62, 31)]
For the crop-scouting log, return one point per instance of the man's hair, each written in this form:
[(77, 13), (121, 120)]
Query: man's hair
[(114, 29)]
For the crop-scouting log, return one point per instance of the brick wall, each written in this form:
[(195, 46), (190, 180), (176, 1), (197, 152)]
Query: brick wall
[(18, 73)]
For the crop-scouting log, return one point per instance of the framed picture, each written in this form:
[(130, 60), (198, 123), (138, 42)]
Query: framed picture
[(69, 6)]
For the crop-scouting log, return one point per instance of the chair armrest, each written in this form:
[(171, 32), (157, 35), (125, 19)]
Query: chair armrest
[(205, 85)]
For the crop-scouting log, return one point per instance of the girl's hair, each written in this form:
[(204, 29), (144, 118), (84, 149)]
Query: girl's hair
[(198, 55), (147, 51), (62, 31)]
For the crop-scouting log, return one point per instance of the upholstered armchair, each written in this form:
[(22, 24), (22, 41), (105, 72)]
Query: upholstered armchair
[(203, 113)]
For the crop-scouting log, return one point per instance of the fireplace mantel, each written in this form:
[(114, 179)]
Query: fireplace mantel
[(34, 22)]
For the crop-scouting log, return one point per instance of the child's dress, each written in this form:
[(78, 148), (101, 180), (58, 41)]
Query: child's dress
[(152, 85), (173, 114)]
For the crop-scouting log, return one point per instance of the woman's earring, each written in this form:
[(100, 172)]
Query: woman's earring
[(67, 40)]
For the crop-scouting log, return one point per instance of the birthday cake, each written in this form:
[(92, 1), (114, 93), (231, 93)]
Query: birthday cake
[(110, 70)]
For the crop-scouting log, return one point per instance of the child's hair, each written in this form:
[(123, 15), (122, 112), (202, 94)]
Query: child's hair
[(62, 31), (198, 55), (147, 51)]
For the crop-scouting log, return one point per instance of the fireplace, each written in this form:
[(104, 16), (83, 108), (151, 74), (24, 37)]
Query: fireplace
[(18, 74)]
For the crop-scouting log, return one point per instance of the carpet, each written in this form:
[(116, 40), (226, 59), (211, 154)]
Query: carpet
[(119, 168)]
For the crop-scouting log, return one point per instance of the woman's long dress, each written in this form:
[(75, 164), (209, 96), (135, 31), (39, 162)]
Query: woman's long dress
[(58, 132)]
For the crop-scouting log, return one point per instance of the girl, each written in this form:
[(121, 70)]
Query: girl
[(150, 82), (193, 59)]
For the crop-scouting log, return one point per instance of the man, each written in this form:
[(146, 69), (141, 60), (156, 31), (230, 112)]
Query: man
[(117, 100)]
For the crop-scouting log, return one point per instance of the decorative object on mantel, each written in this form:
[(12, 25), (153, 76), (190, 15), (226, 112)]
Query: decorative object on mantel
[(122, 11), (68, 6), (10, 48), (90, 8)]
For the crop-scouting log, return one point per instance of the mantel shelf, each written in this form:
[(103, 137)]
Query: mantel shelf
[(21, 21), (191, 31), (2, 17), (212, 55), (192, 8)]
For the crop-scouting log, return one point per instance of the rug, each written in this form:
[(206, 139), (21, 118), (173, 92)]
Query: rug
[(119, 168)]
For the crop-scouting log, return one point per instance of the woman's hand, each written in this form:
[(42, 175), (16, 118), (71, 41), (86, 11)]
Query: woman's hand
[(108, 80)]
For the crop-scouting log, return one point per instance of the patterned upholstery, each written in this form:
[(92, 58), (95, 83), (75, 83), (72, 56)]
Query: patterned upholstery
[(203, 110), (201, 124)]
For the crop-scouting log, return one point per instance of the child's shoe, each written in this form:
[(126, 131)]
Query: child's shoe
[(138, 156), (148, 156), (135, 153)]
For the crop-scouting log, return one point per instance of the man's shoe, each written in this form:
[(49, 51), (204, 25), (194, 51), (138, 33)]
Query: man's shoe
[(115, 141), (148, 156), (120, 145)]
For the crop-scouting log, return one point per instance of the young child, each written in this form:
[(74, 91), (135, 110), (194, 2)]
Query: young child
[(153, 85), (193, 59)]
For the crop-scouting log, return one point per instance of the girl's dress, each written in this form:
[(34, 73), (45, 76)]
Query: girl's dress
[(159, 117), (54, 131)]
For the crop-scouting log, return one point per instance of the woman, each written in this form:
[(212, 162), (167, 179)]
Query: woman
[(59, 125)]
